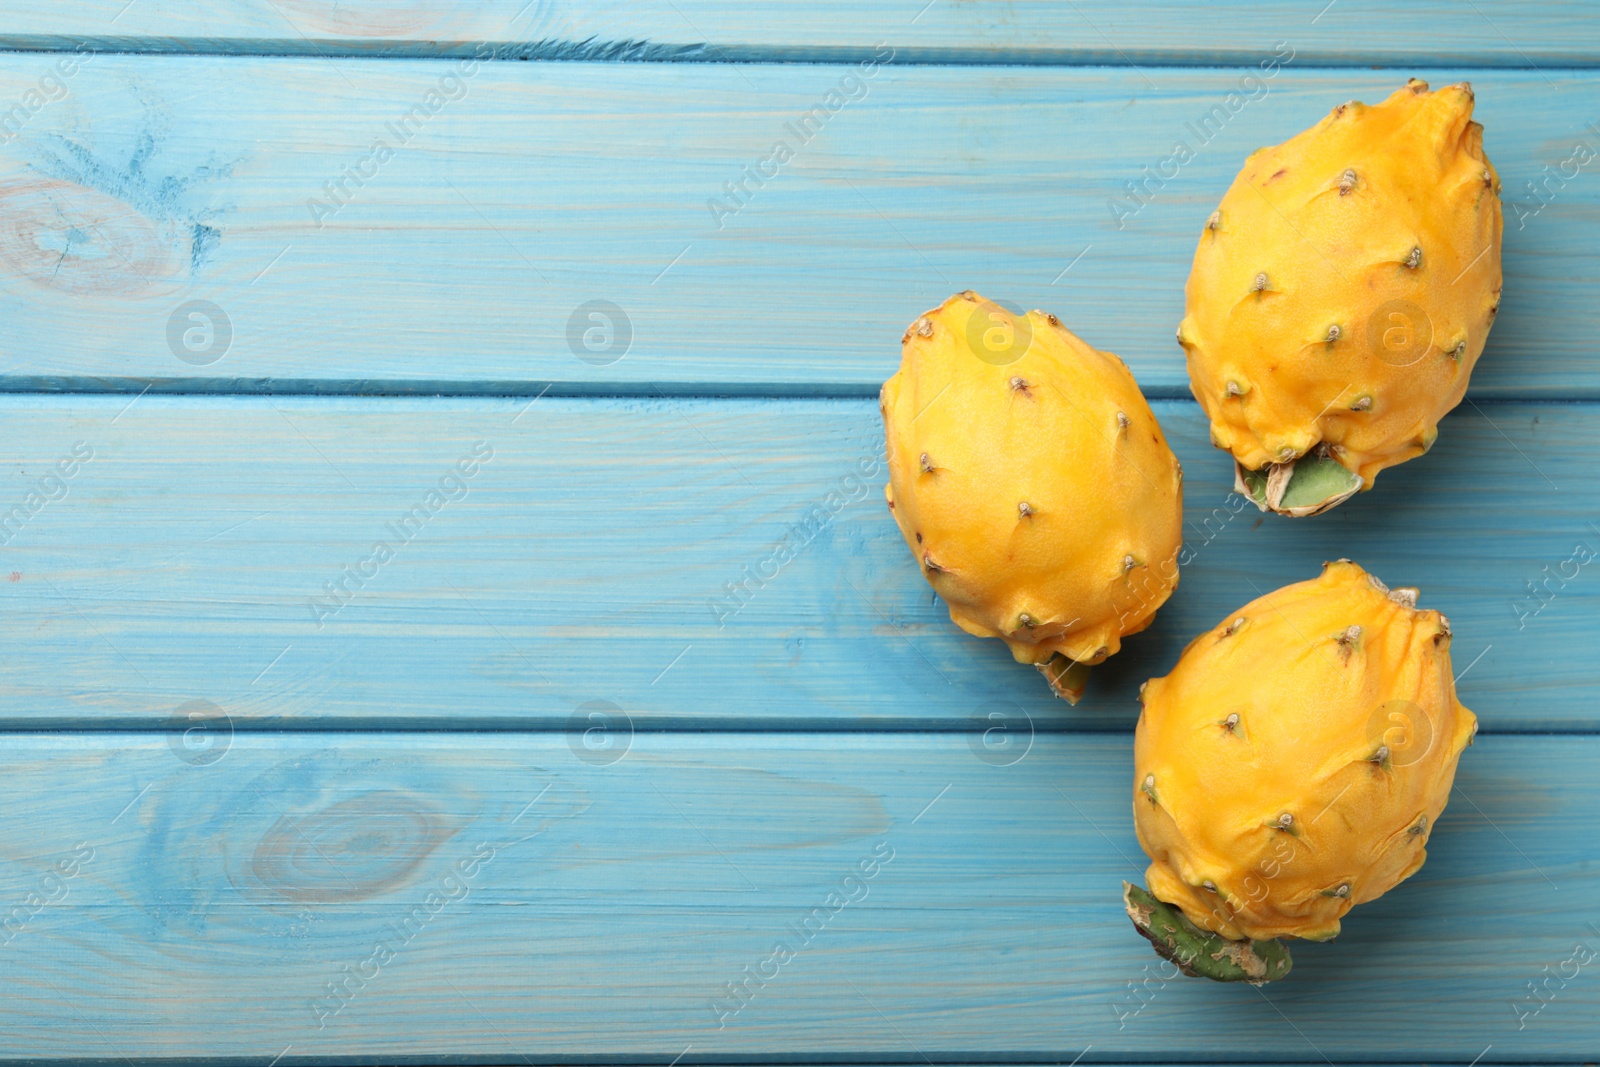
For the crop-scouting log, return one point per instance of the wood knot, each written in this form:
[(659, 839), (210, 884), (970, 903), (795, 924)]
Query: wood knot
[(352, 849), (69, 237)]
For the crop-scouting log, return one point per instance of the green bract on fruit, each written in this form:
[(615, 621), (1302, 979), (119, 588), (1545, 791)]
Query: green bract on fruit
[(1341, 294), (1290, 767), (1032, 484)]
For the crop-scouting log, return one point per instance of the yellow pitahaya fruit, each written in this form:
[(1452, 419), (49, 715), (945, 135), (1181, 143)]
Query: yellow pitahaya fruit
[(1032, 484), (1291, 767), (1341, 294)]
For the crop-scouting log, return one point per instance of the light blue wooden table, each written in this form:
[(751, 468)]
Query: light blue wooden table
[(545, 777)]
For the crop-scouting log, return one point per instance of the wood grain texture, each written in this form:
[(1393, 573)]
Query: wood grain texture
[(467, 262), (591, 558), (212, 905), (1518, 33)]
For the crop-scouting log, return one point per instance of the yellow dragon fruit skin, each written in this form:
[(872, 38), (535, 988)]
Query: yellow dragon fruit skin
[(1295, 760), (1038, 495), (1343, 290)]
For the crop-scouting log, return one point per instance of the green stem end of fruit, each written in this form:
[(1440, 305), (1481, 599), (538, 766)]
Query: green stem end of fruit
[(1201, 953), (1310, 485)]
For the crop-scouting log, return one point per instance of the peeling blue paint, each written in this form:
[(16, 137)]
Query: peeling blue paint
[(206, 238), (134, 164)]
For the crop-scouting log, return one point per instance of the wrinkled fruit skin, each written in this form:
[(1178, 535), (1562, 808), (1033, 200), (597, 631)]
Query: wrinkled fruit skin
[(1344, 288), (1032, 483), (1321, 793)]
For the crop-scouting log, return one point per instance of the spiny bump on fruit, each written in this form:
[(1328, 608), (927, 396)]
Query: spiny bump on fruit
[(1389, 218), (1328, 802), (1033, 469), (1348, 640)]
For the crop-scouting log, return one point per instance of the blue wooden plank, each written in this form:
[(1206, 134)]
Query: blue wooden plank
[(472, 259), (1515, 33), (223, 549), (211, 905)]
